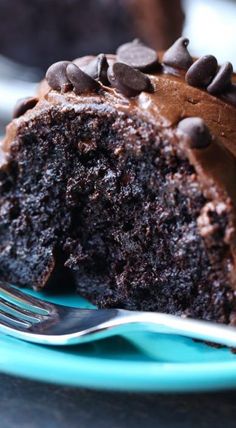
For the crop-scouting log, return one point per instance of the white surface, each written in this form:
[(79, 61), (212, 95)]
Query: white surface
[(211, 27)]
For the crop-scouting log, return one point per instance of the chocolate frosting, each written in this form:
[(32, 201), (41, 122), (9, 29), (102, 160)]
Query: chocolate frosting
[(171, 101)]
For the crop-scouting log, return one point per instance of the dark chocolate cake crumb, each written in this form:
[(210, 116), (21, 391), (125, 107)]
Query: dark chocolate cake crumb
[(124, 226)]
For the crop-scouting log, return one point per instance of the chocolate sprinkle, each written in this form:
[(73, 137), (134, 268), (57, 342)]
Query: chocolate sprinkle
[(57, 78), (81, 81), (23, 105), (222, 80), (201, 73), (138, 56), (127, 80), (196, 129), (230, 95), (177, 55)]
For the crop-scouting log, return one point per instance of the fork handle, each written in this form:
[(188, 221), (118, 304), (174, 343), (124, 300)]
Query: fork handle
[(171, 324)]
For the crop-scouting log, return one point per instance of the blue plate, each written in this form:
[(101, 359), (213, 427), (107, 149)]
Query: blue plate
[(139, 362)]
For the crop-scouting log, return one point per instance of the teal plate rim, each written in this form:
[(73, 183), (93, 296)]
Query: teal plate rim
[(145, 362)]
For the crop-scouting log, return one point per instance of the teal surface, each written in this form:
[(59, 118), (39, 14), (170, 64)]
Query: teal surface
[(135, 362)]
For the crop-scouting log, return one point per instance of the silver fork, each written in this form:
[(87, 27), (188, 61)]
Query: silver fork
[(34, 320)]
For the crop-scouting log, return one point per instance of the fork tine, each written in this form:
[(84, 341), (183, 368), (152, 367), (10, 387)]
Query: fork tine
[(36, 305), (11, 321), (20, 312)]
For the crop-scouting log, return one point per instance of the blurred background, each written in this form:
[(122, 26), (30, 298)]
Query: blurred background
[(36, 33)]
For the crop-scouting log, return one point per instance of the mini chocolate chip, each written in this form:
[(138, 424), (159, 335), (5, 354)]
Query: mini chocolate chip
[(230, 95), (57, 78), (81, 81), (23, 105), (138, 56), (196, 129), (91, 68), (96, 68), (202, 71), (83, 61), (127, 45), (177, 55), (102, 67), (127, 80), (222, 80)]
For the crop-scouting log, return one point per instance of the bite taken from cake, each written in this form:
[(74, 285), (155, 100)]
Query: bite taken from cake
[(119, 178)]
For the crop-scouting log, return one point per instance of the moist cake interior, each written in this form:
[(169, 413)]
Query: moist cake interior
[(111, 203)]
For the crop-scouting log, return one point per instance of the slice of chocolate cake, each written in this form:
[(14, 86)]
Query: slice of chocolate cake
[(120, 179)]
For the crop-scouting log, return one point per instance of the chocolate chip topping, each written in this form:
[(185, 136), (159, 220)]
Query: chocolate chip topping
[(177, 55), (23, 105), (230, 95), (57, 78), (95, 68), (127, 80), (197, 131), (85, 73), (222, 80), (137, 56), (127, 45), (201, 73), (81, 81), (90, 68), (102, 67)]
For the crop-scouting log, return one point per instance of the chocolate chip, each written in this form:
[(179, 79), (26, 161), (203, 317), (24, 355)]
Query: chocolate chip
[(102, 67), (23, 105), (230, 95), (177, 55), (138, 56), (127, 45), (222, 80), (97, 68), (83, 61), (202, 71), (81, 81), (127, 80), (110, 59), (57, 78), (197, 131)]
